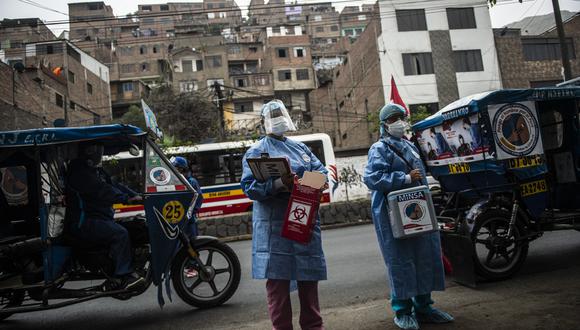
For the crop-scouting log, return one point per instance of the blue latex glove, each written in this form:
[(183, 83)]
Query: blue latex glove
[(436, 316), (407, 321)]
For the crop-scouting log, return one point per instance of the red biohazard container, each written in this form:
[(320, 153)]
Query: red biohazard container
[(301, 213)]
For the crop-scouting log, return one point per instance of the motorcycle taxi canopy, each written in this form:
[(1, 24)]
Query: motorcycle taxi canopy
[(487, 133), (48, 136)]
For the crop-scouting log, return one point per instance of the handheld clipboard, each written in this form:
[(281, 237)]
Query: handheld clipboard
[(266, 167)]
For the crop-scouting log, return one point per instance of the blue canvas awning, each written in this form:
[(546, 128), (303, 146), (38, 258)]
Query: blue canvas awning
[(474, 103), (46, 136)]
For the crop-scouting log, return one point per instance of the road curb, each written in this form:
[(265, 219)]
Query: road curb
[(324, 227)]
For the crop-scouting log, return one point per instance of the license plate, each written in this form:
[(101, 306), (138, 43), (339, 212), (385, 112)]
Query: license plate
[(527, 161), (459, 168), (532, 188)]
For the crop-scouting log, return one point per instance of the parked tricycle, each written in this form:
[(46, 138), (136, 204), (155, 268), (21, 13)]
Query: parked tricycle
[(508, 163), (43, 267)]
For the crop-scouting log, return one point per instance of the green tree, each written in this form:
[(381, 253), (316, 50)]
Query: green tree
[(419, 114), (134, 116), (184, 118)]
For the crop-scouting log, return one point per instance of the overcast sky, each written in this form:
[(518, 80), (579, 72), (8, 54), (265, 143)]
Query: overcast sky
[(506, 12)]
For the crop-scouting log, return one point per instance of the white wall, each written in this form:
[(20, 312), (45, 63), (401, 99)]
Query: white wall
[(423, 88), (283, 31)]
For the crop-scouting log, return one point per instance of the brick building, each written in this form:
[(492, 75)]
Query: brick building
[(353, 20), (535, 60), (341, 106), (52, 79), (16, 33)]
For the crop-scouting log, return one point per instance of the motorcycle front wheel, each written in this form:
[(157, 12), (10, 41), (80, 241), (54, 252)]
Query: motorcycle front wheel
[(209, 288), (12, 299)]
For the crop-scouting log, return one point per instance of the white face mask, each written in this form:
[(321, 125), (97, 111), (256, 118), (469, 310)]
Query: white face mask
[(397, 129), (279, 125)]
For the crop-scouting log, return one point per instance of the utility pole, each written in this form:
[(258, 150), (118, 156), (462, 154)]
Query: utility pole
[(562, 37), (220, 103)]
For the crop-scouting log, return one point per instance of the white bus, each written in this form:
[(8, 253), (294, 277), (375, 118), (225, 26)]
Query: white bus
[(218, 169)]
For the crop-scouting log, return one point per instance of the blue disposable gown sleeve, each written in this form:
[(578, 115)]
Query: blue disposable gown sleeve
[(379, 172), (197, 188), (257, 191)]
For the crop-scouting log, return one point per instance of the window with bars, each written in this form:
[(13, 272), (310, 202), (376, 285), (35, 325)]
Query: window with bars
[(468, 60), (284, 75), (417, 64), (243, 107), (546, 49), (186, 66), (127, 87), (164, 7), (71, 76), (319, 29), (59, 100), (298, 52), (334, 28), (411, 20), (302, 74), (282, 52), (461, 18), (241, 82)]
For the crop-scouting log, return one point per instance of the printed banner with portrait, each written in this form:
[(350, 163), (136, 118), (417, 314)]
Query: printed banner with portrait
[(516, 129), (455, 141)]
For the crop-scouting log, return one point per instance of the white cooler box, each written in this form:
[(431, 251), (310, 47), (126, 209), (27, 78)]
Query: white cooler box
[(411, 212)]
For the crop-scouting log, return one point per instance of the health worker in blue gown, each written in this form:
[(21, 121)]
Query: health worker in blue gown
[(277, 259), (414, 265)]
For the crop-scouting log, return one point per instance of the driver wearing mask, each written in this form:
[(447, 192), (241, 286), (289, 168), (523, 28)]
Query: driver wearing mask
[(90, 196)]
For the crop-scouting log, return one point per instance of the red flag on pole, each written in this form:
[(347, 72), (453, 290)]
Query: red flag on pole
[(396, 97)]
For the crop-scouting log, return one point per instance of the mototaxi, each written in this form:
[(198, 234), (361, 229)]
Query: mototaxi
[(508, 163), (41, 267)]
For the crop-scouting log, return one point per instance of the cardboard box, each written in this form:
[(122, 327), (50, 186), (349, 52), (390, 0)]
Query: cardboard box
[(303, 207)]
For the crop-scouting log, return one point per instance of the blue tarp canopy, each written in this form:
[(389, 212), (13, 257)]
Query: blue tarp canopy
[(46, 136), (474, 103)]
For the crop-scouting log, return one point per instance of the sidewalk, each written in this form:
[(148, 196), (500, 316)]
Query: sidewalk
[(549, 300)]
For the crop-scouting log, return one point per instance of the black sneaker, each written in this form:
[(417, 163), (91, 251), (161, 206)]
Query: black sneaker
[(133, 281)]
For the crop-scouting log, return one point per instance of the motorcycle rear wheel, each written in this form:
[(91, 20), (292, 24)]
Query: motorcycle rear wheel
[(497, 256), (205, 291)]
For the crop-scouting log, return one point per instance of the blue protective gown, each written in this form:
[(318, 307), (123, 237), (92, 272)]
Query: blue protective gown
[(414, 265), (275, 257)]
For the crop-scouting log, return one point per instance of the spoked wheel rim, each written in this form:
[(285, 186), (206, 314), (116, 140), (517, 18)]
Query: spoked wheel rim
[(214, 281), (495, 251)]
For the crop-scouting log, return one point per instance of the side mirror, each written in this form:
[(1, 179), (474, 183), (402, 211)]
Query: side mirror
[(134, 150)]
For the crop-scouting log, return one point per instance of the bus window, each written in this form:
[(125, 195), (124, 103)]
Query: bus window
[(127, 171), (218, 167), (317, 149)]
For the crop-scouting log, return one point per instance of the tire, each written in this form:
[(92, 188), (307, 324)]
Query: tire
[(497, 257), (12, 299), (186, 286)]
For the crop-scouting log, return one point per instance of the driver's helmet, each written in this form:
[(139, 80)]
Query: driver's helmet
[(180, 162)]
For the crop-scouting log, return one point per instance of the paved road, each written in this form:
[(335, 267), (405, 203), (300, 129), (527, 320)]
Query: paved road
[(356, 277)]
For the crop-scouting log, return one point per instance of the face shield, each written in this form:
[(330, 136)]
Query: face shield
[(276, 118)]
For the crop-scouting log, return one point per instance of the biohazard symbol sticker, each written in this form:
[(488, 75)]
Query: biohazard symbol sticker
[(299, 212), (173, 212)]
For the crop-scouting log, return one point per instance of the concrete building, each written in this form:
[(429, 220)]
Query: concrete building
[(437, 51), (341, 105), (535, 60)]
